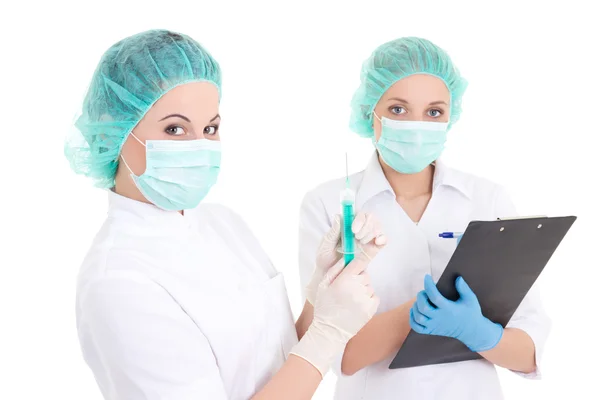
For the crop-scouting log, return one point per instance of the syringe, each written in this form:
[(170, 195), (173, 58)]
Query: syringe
[(347, 200)]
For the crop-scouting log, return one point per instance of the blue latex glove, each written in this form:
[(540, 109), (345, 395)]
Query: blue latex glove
[(461, 319)]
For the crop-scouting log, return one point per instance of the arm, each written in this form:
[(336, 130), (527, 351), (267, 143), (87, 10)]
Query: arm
[(510, 347), (521, 347), (382, 336), (315, 222), (314, 225), (384, 333), (343, 305), (296, 380), (139, 343), (515, 351), (304, 320)]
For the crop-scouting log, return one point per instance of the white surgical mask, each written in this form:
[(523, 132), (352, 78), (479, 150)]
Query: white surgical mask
[(410, 146), (179, 173)]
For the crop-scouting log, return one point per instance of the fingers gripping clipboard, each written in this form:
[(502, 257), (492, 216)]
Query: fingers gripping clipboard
[(500, 260)]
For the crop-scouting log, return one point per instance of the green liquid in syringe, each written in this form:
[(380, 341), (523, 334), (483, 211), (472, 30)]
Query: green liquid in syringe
[(347, 235)]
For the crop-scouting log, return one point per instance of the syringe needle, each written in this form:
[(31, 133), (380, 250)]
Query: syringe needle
[(346, 168)]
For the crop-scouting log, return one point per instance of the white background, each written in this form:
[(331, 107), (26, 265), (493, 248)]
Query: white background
[(530, 122)]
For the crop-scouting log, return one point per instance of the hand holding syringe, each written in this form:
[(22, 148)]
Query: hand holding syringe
[(355, 228), (367, 238), (359, 233)]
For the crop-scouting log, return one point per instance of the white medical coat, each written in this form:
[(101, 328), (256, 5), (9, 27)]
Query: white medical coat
[(180, 307), (397, 273)]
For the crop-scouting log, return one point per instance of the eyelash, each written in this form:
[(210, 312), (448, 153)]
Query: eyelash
[(174, 127), (215, 127), (398, 107), (440, 112), (435, 109)]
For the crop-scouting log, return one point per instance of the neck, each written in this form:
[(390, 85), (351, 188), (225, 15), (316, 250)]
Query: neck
[(128, 189), (409, 186)]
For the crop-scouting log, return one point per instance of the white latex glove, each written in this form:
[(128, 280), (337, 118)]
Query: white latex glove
[(366, 229), (344, 303)]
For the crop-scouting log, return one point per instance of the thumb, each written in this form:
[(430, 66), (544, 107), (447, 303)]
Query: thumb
[(465, 292), (358, 264), (333, 235), (372, 248), (332, 273)]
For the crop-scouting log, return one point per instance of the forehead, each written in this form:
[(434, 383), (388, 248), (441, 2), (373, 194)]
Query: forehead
[(195, 100), (419, 89)]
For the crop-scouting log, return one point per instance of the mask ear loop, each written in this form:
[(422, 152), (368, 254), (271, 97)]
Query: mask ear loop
[(123, 158), (379, 119)]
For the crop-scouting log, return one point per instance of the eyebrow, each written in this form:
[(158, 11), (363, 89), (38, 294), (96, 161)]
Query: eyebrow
[(176, 116), (399, 100), (186, 118)]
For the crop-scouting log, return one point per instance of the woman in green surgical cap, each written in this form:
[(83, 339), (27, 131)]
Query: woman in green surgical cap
[(175, 298), (408, 100)]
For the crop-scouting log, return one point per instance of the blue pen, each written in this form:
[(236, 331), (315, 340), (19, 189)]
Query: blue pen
[(451, 235)]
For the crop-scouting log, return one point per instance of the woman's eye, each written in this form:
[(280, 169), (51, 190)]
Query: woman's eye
[(434, 113), (211, 130), (398, 110), (175, 130)]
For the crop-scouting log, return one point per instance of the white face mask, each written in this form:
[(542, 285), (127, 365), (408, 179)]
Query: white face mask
[(179, 173), (410, 146)]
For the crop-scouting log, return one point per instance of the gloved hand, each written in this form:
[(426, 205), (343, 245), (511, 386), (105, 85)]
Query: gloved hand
[(344, 303), (366, 230), (461, 319)]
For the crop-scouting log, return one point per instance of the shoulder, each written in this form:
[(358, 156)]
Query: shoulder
[(474, 185), (483, 192), (329, 191), (219, 215), (104, 293), (229, 225), (115, 260), (109, 261)]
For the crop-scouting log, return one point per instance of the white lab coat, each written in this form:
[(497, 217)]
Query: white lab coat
[(397, 272), (180, 307)]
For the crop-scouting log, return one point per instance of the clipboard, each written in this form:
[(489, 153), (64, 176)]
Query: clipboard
[(500, 260)]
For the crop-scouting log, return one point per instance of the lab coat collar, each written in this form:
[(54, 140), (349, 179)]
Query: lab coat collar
[(375, 182), (445, 176), (124, 206)]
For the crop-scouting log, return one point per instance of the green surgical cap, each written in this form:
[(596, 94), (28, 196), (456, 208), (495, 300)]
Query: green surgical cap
[(131, 76), (393, 61)]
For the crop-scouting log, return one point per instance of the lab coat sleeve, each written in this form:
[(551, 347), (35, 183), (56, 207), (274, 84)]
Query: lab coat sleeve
[(530, 316), (315, 221), (140, 344)]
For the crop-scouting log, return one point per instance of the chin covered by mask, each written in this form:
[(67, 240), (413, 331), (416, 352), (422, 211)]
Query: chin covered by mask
[(410, 146), (179, 173)]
